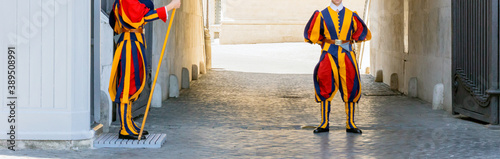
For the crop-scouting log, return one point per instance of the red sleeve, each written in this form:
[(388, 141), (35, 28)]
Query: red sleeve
[(162, 13), (134, 10)]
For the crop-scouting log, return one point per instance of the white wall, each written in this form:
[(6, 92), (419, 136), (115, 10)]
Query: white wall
[(185, 45), (264, 21), (160, 29), (430, 48), (429, 56), (387, 47), (52, 38)]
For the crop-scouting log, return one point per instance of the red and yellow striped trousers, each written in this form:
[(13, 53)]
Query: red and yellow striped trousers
[(337, 71)]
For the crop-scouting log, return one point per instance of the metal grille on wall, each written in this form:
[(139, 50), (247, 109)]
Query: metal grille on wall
[(475, 58)]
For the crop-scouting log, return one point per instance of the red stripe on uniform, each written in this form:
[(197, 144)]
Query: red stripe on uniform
[(325, 77), (350, 75), (141, 67), (312, 24), (132, 88)]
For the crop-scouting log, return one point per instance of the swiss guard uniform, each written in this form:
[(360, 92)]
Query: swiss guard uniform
[(128, 74), (337, 68)]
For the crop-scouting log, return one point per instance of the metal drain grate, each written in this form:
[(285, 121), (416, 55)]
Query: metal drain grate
[(111, 140)]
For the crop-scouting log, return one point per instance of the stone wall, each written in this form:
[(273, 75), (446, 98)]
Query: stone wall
[(185, 44), (429, 42), (263, 21), (387, 47)]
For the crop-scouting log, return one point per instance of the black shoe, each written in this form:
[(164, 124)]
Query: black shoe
[(132, 137), (354, 130), (144, 132), (320, 130)]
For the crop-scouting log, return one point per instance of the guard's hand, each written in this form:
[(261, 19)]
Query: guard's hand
[(174, 4)]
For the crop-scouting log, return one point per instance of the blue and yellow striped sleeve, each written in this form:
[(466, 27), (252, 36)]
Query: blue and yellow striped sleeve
[(361, 31), (314, 31), (158, 13)]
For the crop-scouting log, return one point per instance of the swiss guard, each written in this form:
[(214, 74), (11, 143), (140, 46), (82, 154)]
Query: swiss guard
[(335, 29), (128, 74)]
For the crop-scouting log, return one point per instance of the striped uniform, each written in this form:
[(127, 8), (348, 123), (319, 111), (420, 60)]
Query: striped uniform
[(337, 68), (128, 74)]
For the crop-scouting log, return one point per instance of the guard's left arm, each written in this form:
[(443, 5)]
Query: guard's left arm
[(361, 31), (158, 13), (162, 12)]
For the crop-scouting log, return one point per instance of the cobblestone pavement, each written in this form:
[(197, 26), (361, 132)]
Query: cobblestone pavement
[(229, 114)]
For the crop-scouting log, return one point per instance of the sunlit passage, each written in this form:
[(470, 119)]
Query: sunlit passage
[(276, 58)]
